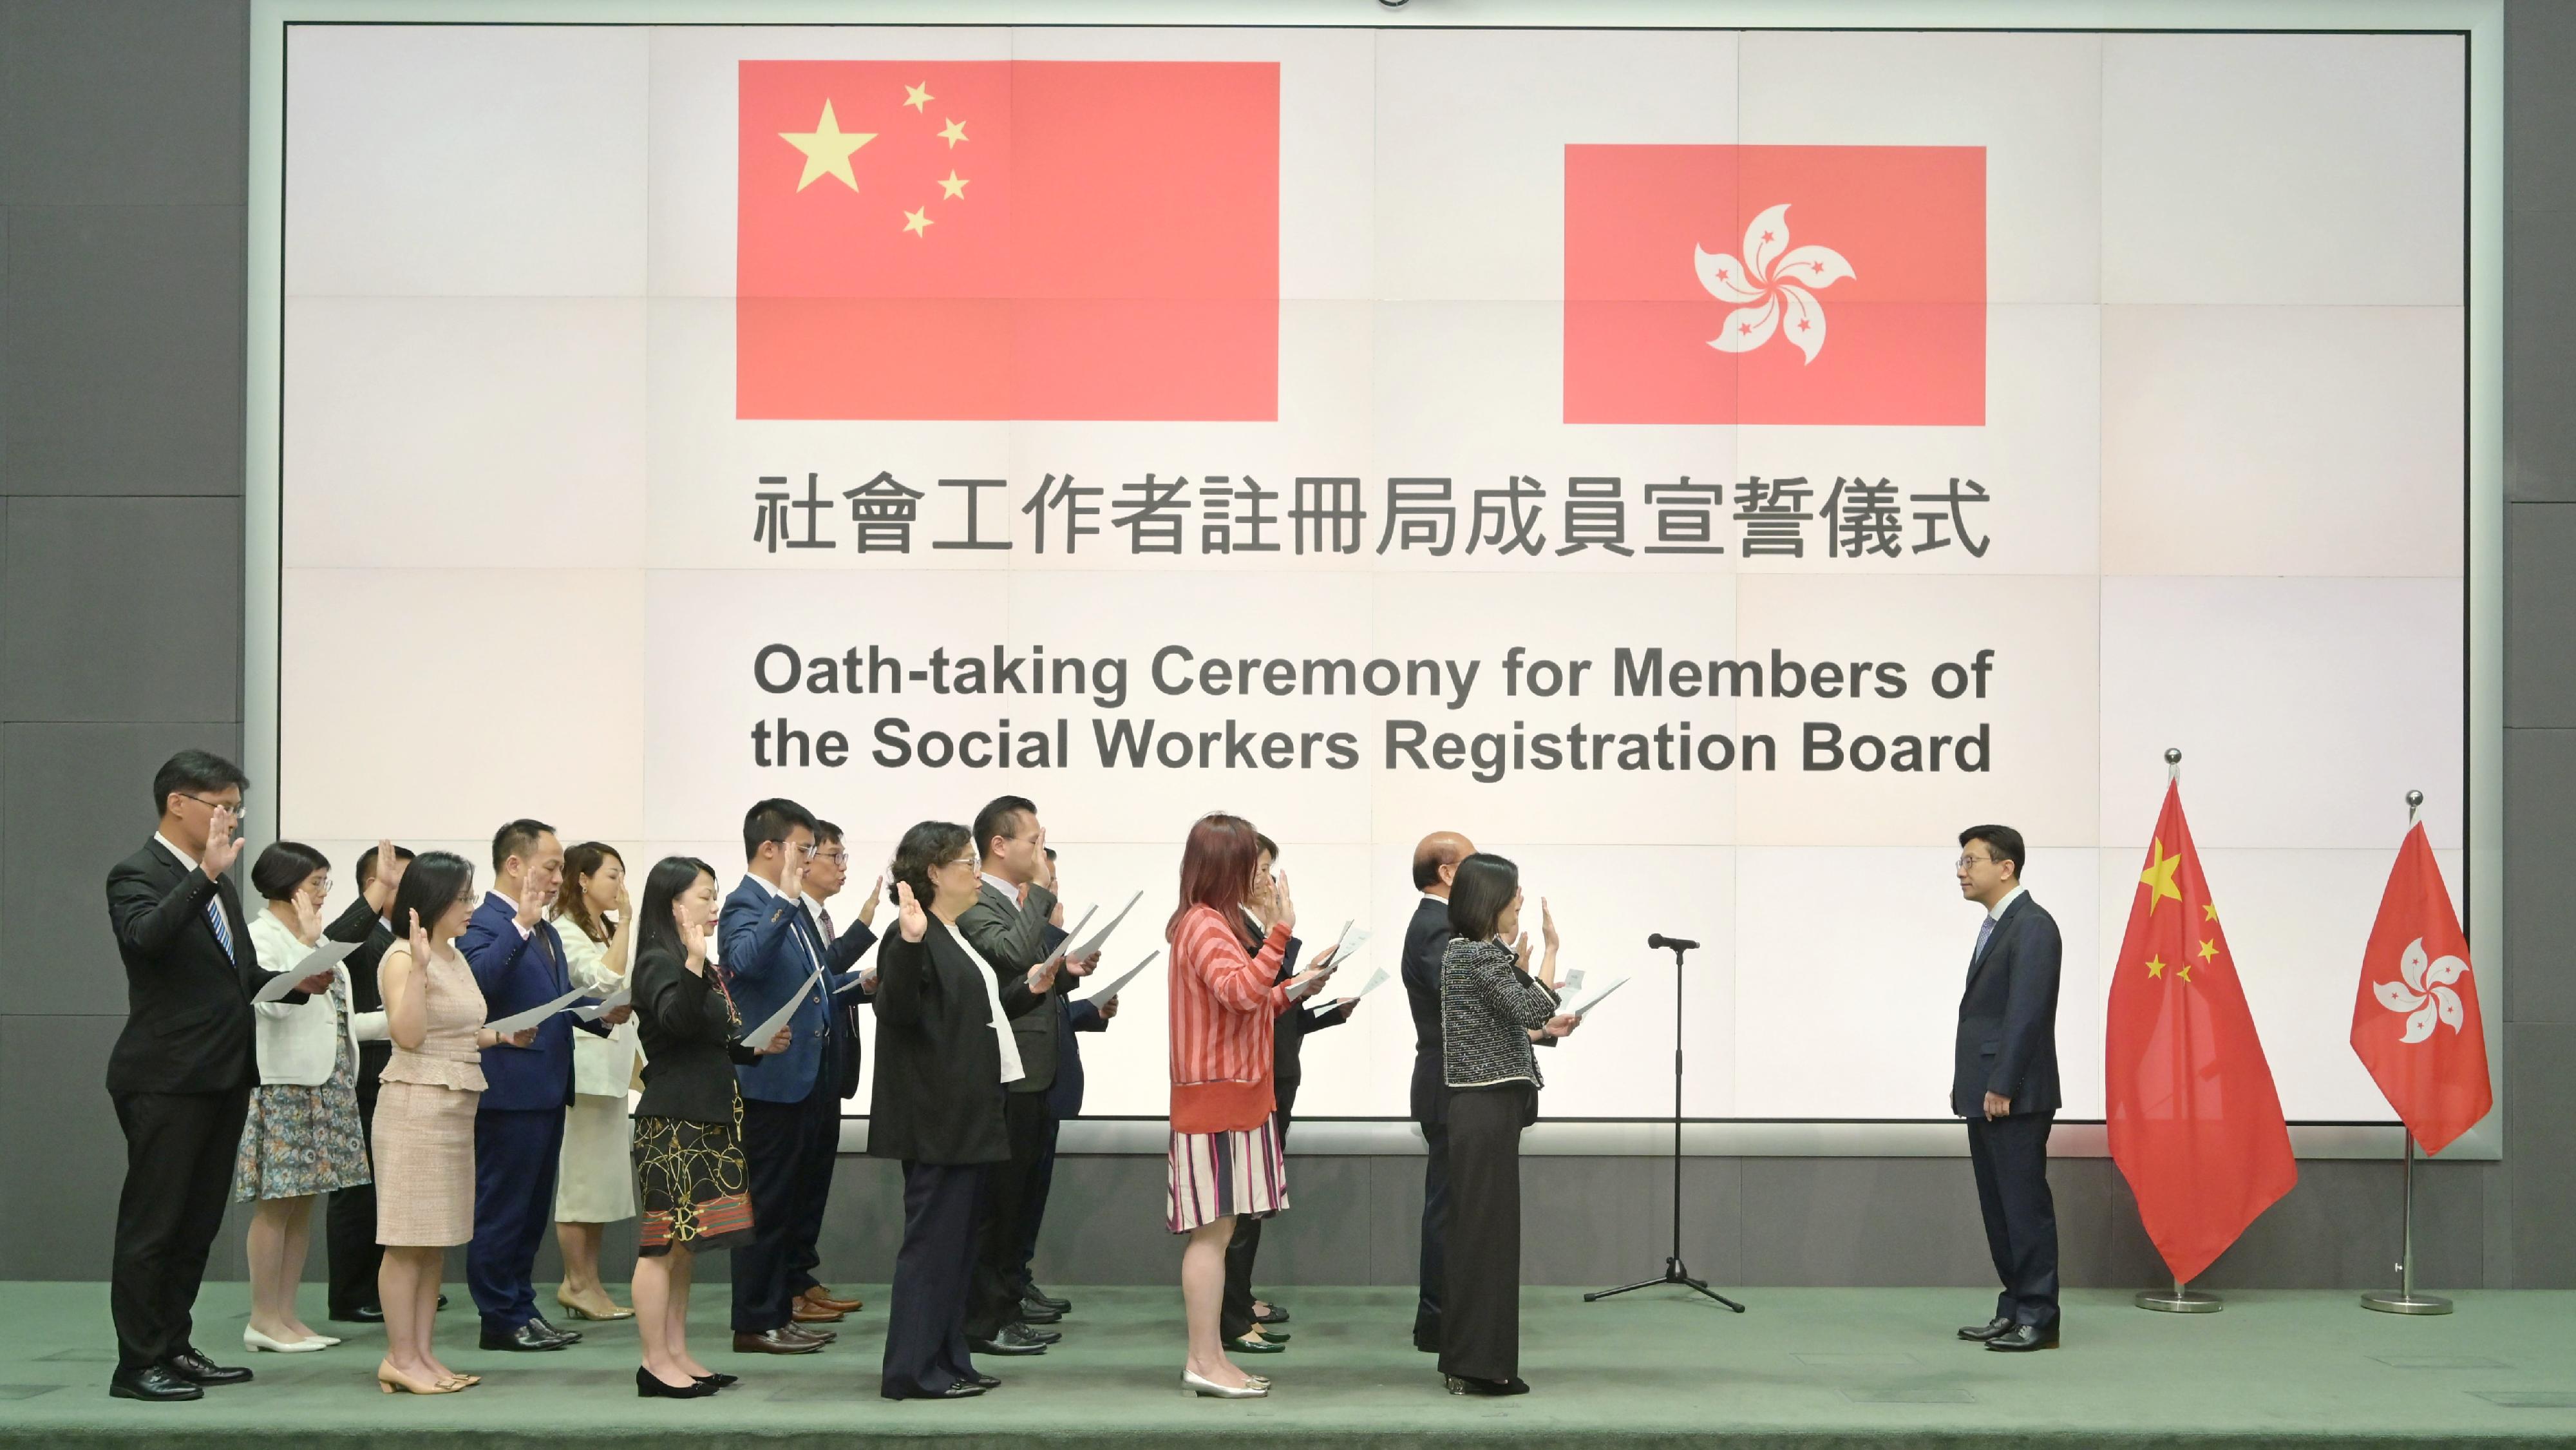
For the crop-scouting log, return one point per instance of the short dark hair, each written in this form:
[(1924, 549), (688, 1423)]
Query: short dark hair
[(771, 820), (367, 864), (924, 846), (998, 817), (515, 838), (283, 868), (825, 833), (2002, 842), (1265, 845), (1479, 894), (435, 881), (193, 770)]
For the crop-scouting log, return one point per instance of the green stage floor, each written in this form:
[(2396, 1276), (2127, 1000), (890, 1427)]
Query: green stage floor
[(1807, 1367)]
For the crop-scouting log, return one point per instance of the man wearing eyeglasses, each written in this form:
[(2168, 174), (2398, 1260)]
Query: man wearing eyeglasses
[(2004, 1083), (181, 1071), (843, 950), (769, 954)]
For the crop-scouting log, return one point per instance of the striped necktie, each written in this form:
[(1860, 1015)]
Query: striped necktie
[(223, 928)]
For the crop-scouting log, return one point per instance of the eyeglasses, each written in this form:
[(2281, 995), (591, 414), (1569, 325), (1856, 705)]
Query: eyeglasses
[(1964, 862), (806, 850), (966, 860), (240, 812), (835, 854)]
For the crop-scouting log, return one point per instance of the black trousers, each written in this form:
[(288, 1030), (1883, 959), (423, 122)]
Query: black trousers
[(2011, 1158), (1435, 1237), (1010, 1192), (349, 1224), (1480, 1306), (780, 1160), (1234, 1315), (1041, 1187), (925, 1336), (179, 1150), (816, 1159)]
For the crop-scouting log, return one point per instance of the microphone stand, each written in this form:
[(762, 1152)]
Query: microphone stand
[(1675, 1271)]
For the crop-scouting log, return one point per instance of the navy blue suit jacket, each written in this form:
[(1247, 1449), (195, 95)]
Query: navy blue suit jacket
[(767, 948), (516, 973), (1064, 1095)]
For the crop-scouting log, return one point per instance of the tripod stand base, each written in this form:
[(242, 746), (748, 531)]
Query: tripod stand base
[(2179, 1300), (2400, 1302), (1675, 1275)]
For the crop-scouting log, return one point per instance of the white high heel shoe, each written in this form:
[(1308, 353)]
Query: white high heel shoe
[(253, 1340), (1206, 1388)]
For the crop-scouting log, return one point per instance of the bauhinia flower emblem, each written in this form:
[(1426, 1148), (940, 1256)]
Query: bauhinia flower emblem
[(2425, 994), (1770, 287)]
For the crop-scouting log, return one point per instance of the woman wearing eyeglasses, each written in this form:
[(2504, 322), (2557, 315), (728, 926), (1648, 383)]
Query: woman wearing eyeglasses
[(303, 1136), (1491, 1011), (944, 1050)]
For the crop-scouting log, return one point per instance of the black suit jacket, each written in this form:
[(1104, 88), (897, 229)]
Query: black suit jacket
[(1013, 936), (1288, 1033), (1426, 936), (689, 1038), (2008, 1017), (187, 1004), (841, 954), (360, 924), (938, 1091)]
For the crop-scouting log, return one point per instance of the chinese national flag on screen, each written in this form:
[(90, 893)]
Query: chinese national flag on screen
[(1008, 239), (1847, 284), (2195, 1123), (2415, 1023)]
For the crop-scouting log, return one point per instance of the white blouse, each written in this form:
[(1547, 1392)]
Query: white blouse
[(602, 1067), (1012, 1071)]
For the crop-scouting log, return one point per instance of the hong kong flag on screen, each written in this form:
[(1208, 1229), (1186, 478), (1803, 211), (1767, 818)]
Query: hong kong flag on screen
[(1008, 239), (2416, 1024), (1775, 284), (2195, 1122)]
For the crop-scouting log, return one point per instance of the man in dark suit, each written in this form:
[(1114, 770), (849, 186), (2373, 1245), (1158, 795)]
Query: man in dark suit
[(1063, 1101), (2004, 1083), (181, 1071), (1008, 927), (1426, 936), (518, 962), (815, 1303), (349, 1230), (791, 1113)]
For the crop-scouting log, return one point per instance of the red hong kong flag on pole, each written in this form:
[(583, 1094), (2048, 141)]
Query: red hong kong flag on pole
[(2415, 1023), (1008, 239), (2195, 1122), (1775, 284)]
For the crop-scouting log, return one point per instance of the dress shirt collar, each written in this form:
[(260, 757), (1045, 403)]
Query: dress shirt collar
[(1997, 910), (173, 848), (1002, 886)]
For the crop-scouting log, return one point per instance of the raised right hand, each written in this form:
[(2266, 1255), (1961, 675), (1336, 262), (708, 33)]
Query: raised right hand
[(223, 848), (693, 939), (419, 944), (911, 919), (1283, 905)]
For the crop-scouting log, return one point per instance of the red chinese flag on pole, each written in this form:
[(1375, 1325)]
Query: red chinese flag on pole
[(2195, 1122), (1008, 239), (2415, 1023)]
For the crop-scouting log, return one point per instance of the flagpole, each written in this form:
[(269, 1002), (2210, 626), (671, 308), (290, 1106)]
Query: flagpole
[(2181, 1299), (2406, 1300)]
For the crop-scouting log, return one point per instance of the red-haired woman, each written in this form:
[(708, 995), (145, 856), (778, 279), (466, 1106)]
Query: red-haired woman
[(1225, 1161)]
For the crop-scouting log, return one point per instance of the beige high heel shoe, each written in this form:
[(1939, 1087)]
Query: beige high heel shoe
[(578, 1312), (389, 1379)]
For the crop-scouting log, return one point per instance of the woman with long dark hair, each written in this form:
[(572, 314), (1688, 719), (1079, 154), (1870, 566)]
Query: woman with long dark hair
[(595, 1185), (424, 1127), (944, 1050), (1224, 1161), (1491, 1011), (688, 1125)]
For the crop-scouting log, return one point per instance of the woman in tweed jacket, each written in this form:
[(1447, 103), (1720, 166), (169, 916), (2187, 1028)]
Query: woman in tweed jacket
[(1491, 1012)]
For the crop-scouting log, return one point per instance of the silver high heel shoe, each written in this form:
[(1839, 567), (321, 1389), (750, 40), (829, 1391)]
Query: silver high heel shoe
[(1209, 1389)]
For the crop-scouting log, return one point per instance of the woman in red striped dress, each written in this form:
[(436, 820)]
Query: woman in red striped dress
[(1225, 1161)]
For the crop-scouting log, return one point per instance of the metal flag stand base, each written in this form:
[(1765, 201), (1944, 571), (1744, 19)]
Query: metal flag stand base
[(2406, 1300), (2180, 1300)]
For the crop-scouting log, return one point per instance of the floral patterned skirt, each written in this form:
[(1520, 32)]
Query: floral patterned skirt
[(299, 1141), (691, 1184)]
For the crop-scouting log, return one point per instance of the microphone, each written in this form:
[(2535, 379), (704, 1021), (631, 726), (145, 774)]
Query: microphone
[(1659, 942)]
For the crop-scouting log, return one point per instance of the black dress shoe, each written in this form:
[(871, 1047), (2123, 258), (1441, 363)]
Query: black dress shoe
[(1460, 1384), (649, 1386), (1246, 1344), (151, 1382), (568, 1336), (1033, 1312), (363, 1314), (442, 1301), (719, 1379), (961, 1390), (2023, 1338), (1035, 1295), (1043, 1336), (1013, 1339), (526, 1339), (196, 1369), (987, 1381), (1991, 1329)]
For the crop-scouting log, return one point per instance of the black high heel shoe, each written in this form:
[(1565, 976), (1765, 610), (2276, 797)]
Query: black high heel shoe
[(719, 1380), (647, 1387), (1460, 1384)]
